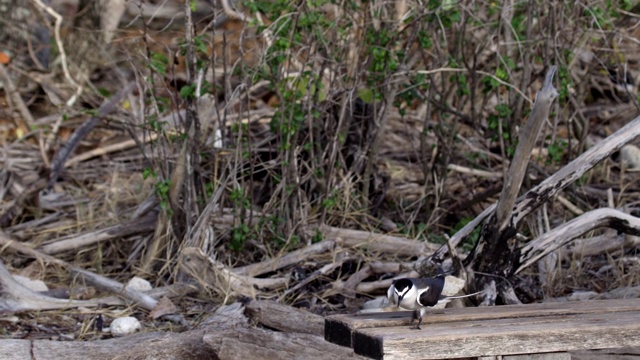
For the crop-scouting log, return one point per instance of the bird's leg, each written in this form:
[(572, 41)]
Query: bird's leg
[(417, 315)]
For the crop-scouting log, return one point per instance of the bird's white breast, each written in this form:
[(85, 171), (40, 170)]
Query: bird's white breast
[(409, 300)]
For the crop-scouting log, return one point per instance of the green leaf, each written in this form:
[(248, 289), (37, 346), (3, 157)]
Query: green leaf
[(188, 92)]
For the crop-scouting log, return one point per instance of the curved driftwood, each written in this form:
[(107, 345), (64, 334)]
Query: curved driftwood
[(562, 235)]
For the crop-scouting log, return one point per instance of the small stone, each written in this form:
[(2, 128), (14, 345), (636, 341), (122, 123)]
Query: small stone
[(630, 156), (125, 326), (139, 284)]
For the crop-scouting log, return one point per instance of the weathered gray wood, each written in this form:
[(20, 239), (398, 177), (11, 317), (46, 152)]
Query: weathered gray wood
[(254, 344), (154, 345), (609, 354), (548, 356), (526, 142), (563, 234), (551, 186), (285, 260), (284, 318), (501, 336), (339, 329)]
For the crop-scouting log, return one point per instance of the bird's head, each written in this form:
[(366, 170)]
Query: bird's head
[(399, 289)]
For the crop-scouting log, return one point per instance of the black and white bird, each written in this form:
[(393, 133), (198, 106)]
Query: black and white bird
[(418, 294)]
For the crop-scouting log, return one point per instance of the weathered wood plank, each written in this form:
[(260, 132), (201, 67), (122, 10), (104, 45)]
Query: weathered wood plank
[(284, 318), (609, 354), (506, 336), (339, 328), (549, 356)]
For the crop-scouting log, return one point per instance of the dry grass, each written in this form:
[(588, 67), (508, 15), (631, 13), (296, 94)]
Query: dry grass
[(451, 84)]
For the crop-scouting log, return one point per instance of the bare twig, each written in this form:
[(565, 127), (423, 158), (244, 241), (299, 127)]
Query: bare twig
[(57, 164), (60, 44), (528, 137), (13, 96)]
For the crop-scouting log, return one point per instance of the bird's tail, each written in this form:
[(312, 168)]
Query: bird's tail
[(461, 296)]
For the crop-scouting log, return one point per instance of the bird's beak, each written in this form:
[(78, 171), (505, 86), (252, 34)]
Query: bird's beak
[(400, 300)]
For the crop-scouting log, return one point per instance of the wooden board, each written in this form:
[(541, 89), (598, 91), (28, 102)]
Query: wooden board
[(339, 328), (488, 331)]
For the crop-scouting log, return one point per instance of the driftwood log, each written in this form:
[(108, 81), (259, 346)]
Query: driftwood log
[(225, 335)]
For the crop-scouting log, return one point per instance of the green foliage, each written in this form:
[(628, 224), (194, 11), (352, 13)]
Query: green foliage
[(162, 187), (469, 242), (188, 91), (239, 236), (239, 199), (148, 172), (502, 113), (159, 63), (425, 40), (556, 151), (564, 77), (317, 236), (241, 232)]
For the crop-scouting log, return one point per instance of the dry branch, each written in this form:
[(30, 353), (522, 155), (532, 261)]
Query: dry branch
[(326, 269), (375, 242), (284, 318), (15, 297), (99, 281), (558, 237), (57, 164), (551, 186), (288, 259), (25, 123), (494, 251), (527, 140), (74, 242), (212, 275)]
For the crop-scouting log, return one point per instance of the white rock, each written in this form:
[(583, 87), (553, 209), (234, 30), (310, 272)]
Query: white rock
[(139, 284), (630, 156), (125, 326), (376, 305), (34, 285), (452, 286), (582, 295)]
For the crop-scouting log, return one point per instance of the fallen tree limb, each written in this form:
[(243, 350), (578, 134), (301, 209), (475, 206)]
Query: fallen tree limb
[(284, 318), (371, 241), (156, 345), (99, 281), (135, 226), (563, 234), (225, 335), (551, 186), (494, 253), (214, 276), (288, 259), (375, 242), (16, 297)]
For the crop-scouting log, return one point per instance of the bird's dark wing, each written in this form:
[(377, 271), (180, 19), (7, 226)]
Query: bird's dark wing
[(431, 296)]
